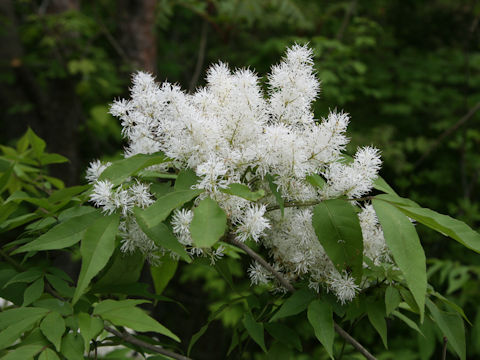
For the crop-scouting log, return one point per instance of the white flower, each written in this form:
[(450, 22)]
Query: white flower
[(180, 224), (140, 195), (95, 169), (102, 195), (343, 285), (253, 223)]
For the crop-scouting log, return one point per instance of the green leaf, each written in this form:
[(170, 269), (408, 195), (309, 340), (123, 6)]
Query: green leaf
[(376, 316), (33, 292), (381, 184), (316, 180), (162, 236), (320, 316), (284, 334), (53, 327), (14, 330), (97, 247), (338, 230), (158, 211), (4, 179), (163, 273), (62, 235), (295, 304), (60, 285), (407, 321), (67, 193), (120, 170), (255, 330), (48, 354), (278, 196), (392, 299), (25, 277), (402, 240), (125, 269), (11, 316), (124, 313), (72, 346), (446, 225), (208, 224), (243, 191), (185, 179), (23, 352), (37, 143), (47, 159), (451, 326), (90, 327), (63, 308)]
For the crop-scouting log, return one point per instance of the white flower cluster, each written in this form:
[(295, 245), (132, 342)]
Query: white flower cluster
[(231, 132)]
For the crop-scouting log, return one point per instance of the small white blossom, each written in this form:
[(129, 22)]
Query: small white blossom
[(95, 169), (253, 224)]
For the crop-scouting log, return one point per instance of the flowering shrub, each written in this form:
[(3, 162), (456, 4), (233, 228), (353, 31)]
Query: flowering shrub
[(227, 170)]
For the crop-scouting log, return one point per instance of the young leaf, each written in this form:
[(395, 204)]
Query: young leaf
[(446, 225), (276, 193), (124, 313), (53, 327), (295, 304), (25, 277), (11, 316), (163, 273), (13, 331), (48, 354), (33, 292), (90, 327), (402, 240), (451, 326), (62, 235), (120, 170), (320, 316), (338, 230), (376, 316), (158, 211), (316, 180), (255, 330), (243, 191), (23, 352), (97, 247), (209, 223), (72, 346)]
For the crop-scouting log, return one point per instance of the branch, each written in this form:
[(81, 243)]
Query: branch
[(286, 284), (133, 340), (311, 203), (448, 132), (201, 56)]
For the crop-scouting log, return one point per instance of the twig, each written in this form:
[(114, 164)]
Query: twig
[(311, 203), (286, 284), (448, 132), (444, 352), (346, 20), (201, 56), (133, 340)]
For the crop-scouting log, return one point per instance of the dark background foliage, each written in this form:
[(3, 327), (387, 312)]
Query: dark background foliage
[(407, 71)]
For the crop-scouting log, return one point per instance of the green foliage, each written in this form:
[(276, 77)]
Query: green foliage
[(338, 230)]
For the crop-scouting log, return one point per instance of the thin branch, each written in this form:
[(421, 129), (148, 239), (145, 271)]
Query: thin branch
[(311, 203), (133, 340), (448, 132), (201, 56), (286, 284), (346, 20), (444, 352)]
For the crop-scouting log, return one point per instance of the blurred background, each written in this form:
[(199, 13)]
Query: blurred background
[(407, 71)]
